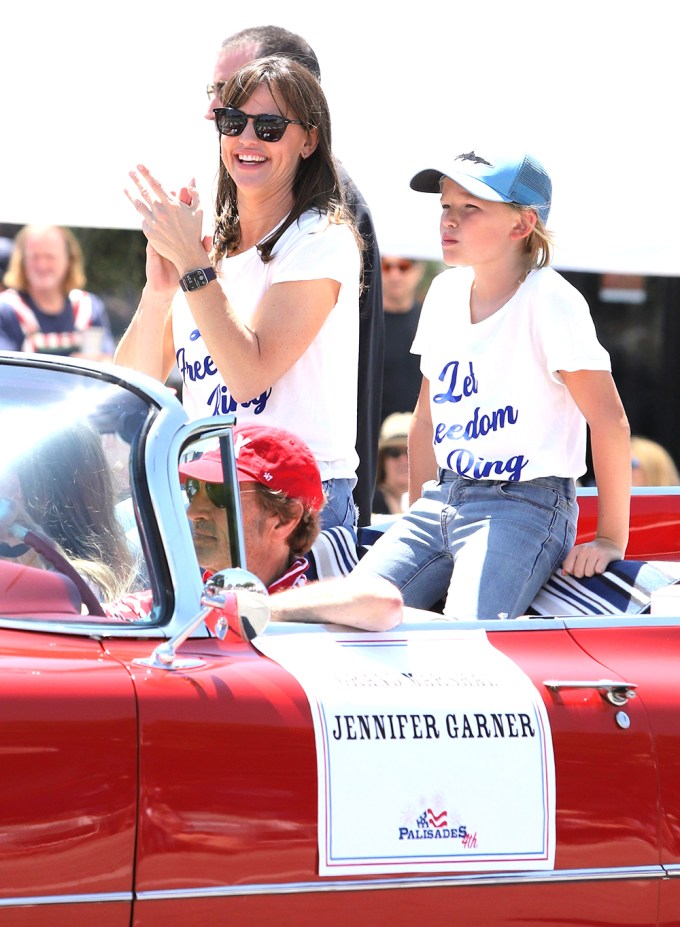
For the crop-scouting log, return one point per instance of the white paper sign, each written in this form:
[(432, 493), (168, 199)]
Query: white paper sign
[(433, 749)]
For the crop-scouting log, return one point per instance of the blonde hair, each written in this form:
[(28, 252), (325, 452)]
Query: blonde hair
[(15, 276), (657, 464), (538, 245)]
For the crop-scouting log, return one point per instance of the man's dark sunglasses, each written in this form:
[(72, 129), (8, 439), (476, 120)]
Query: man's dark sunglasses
[(214, 90), (216, 492), (268, 127)]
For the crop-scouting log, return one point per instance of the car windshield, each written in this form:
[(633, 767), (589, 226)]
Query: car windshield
[(66, 499)]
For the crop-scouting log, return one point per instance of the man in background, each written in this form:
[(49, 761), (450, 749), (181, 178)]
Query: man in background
[(401, 278), (259, 42)]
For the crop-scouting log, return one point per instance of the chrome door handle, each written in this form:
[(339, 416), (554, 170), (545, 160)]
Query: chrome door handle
[(613, 691)]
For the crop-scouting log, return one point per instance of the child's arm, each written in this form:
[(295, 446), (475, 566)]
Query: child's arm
[(595, 393), (422, 465)]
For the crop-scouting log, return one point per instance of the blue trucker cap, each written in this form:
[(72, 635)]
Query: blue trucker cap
[(519, 179)]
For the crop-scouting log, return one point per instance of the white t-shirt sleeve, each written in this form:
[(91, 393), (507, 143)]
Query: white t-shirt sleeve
[(568, 333), (325, 251)]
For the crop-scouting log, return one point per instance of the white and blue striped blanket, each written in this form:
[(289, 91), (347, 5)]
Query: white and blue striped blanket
[(625, 587)]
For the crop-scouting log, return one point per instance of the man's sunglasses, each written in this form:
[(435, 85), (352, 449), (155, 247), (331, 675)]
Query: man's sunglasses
[(402, 266), (214, 90), (268, 127), (216, 492)]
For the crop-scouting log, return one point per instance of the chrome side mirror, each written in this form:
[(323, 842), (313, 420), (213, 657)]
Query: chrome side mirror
[(252, 601), (253, 613)]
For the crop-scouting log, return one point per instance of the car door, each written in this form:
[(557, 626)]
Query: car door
[(647, 652), (68, 782), (607, 857), (228, 814)]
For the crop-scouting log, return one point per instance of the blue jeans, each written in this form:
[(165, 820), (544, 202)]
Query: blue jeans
[(339, 508), (484, 546)]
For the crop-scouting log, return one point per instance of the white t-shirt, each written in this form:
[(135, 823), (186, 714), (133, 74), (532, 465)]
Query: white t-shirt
[(500, 410), (317, 397)]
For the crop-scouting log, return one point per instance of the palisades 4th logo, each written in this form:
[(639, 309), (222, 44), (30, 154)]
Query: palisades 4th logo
[(434, 824)]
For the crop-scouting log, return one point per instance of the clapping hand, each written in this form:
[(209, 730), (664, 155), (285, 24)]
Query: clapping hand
[(173, 225)]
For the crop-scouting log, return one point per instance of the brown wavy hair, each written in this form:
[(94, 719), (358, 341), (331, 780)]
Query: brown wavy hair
[(306, 531), (69, 492)]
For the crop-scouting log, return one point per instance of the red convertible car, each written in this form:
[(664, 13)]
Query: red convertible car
[(196, 765)]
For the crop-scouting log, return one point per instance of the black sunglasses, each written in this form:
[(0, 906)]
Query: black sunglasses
[(402, 265), (214, 90), (395, 452), (216, 492), (268, 127)]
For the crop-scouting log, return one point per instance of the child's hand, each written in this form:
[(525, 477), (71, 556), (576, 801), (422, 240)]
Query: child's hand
[(593, 557)]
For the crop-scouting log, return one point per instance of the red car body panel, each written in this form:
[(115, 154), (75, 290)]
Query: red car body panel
[(231, 801), (654, 524), (650, 657), (68, 737)]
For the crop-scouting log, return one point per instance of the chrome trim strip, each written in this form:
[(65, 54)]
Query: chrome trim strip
[(43, 900), (354, 885)]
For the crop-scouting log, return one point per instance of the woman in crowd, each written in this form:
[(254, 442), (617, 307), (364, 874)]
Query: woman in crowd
[(391, 493), (45, 308), (268, 326), (651, 464)]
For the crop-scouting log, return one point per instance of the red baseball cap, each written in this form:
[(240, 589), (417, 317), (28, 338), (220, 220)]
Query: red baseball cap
[(274, 457)]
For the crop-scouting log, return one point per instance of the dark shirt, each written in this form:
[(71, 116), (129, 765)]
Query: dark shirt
[(402, 376), (380, 506), (371, 348)]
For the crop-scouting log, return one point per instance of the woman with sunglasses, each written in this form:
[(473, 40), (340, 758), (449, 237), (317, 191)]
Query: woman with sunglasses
[(391, 491), (267, 327)]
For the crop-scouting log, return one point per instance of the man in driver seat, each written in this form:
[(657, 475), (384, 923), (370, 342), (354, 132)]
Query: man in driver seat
[(281, 497)]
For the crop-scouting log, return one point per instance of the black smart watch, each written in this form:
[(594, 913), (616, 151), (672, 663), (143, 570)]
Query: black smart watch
[(195, 279)]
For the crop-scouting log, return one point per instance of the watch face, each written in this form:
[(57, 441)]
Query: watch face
[(195, 279)]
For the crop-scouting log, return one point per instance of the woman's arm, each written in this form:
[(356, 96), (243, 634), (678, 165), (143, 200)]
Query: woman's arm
[(290, 315), (595, 393), (147, 344), (287, 320), (422, 465)]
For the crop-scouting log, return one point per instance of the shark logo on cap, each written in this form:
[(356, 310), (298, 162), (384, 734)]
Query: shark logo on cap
[(471, 156)]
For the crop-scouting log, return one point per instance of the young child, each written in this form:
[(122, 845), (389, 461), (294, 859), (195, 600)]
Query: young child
[(512, 371)]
